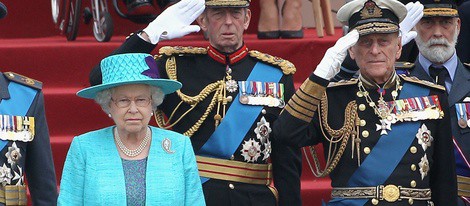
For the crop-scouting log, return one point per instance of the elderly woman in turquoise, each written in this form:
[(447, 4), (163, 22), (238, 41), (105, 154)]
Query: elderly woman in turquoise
[(130, 163)]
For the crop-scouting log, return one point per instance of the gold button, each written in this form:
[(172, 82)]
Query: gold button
[(232, 157), (375, 201), (365, 133), (362, 107), (413, 167), (413, 150), (413, 183), (229, 99), (366, 150), (410, 201), (362, 123), (263, 111), (359, 94), (231, 186)]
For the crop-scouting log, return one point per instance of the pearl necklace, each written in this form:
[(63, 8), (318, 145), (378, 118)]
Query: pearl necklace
[(132, 152)]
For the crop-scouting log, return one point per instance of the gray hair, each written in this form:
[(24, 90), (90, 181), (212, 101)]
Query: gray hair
[(103, 98)]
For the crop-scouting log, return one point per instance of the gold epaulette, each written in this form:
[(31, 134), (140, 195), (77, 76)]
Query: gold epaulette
[(404, 65), (414, 79), (286, 66), (18, 78), (343, 82), (176, 50)]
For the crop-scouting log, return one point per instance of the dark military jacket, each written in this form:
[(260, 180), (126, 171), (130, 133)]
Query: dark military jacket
[(195, 70), (299, 125), (459, 94), (35, 157)]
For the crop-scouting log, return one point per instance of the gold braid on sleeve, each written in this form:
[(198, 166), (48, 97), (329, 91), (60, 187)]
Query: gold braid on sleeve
[(217, 88), (342, 135)]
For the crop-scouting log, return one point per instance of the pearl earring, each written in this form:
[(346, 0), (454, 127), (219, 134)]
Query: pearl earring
[(109, 115), (151, 114)]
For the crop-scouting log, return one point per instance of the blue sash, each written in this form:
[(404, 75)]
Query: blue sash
[(21, 98), (386, 154), (238, 119)]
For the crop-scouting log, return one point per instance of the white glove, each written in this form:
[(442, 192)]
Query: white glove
[(175, 21), (330, 64), (414, 14)]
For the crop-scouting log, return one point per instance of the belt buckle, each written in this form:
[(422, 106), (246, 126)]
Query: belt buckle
[(390, 193)]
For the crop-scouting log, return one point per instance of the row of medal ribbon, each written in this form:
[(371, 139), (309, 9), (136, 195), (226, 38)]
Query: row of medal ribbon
[(16, 128), (416, 108), (269, 94), (463, 114)]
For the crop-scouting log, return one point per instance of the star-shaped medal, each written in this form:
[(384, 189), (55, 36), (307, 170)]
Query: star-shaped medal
[(384, 126)]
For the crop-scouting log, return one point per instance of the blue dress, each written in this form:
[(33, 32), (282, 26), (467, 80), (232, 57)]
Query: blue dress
[(93, 172)]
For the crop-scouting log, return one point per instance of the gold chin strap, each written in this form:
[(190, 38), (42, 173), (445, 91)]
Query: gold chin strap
[(218, 88)]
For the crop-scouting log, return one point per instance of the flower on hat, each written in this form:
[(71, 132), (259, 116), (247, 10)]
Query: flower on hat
[(153, 71)]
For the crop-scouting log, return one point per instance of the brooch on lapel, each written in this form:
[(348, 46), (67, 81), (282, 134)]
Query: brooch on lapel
[(166, 145)]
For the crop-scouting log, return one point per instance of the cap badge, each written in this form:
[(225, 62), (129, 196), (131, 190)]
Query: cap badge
[(371, 10)]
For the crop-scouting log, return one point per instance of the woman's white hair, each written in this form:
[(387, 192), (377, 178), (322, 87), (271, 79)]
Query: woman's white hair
[(103, 98)]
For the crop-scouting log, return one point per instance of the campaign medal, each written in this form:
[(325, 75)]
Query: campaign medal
[(251, 150), (467, 107), (424, 166), (461, 113), (16, 128), (243, 96), (424, 137)]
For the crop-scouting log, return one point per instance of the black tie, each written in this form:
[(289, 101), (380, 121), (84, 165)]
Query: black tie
[(439, 75)]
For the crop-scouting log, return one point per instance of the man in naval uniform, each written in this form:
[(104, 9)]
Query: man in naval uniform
[(386, 137), (438, 62), (25, 148), (229, 100)]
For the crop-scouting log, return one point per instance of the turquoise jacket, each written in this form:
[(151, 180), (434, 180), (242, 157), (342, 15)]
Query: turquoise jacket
[(93, 172)]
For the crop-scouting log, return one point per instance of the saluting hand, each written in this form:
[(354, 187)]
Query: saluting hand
[(414, 14), (175, 21), (330, 64)]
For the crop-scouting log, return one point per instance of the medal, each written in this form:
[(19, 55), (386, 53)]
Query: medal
[(467, 107), (424, 167), (424, 137), (230, 84), (251, 150), (462, 120)]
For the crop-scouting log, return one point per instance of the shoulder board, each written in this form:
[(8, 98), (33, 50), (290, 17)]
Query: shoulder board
[(286, 66), (466, 64), (414, 79), (343, 83), (18, 78), (404, 65), (176, 50)]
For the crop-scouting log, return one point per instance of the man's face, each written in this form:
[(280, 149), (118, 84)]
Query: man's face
[(437, 37), (225, 27), (375, 54)]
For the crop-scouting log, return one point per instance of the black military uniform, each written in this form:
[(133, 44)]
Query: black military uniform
[(384, 144), (203, 73), (25, 146)]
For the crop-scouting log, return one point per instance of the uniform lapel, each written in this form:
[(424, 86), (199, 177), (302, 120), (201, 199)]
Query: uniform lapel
[(460, 86), (419, 72)]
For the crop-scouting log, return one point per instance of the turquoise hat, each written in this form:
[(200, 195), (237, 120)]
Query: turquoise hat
[(131, 68)]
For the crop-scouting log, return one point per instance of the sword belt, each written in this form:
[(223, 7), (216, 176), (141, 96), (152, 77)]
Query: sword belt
[(389, 193), (463, 185), (235, 171)]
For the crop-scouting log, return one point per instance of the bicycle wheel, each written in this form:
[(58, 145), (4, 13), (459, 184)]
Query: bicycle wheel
[(103, 28), (72, 19), (57, 8)]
